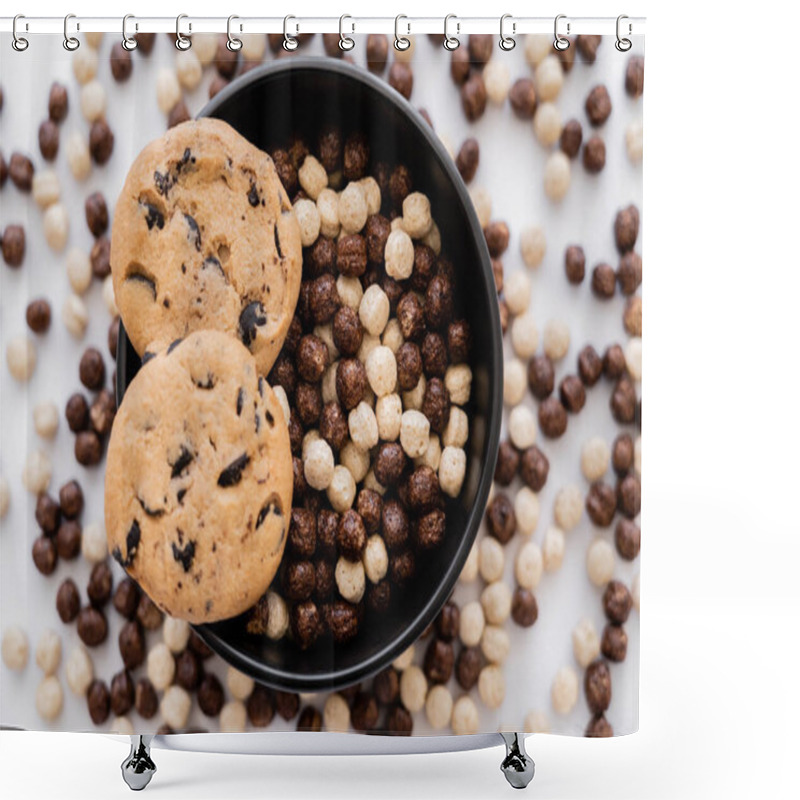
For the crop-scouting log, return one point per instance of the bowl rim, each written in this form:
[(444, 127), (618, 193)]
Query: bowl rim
[(345, 676)]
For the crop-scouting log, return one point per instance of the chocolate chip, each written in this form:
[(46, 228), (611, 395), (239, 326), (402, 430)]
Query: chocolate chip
[(571, 138), (232, 474), (552, 418), (524, 610), (68, 601), (92, 626), (58, 102), (48, 140), (210, 695), (20, 170), (145, 699), (601, 504), (98, 701), (101, 142), (68, 539), (38, 315), (604, 281), (590, 365), (522, 97), (184, 555), (501, 519), (97, 214), (468, 667), (597, 686), (541, 376), (126, 598), (13, 245)]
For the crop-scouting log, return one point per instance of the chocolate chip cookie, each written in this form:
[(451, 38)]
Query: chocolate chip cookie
[(204, 236), (198, 486)]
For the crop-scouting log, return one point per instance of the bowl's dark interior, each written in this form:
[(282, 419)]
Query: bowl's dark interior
[(268, 107)]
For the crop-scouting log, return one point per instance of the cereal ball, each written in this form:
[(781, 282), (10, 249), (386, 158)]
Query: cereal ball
[(491, 559), (564, 690), (93, 101), (452, 470), (372, 194), (312, 176), (492, 686), (532, 245), (381, 369), (549, 78), (21, 358), (470, 569), (497, 79), (568, 508), (458, 382), (526, 510), (412, 401), (413, 688), (84, 64), (389, 415), (637, 456), (175, 707), (356, 460), (472, 623), (417, 218), (108, 297), (556, 339), (78, 156), (168, 90), (363, 426), (308, 218), (48, 652), (634, 142), (37, 472), (373, 311), (5, 497), (160, 666), (514, 382), (456, 432), (94, 544), (528, 565), (466, 720), (522, 427), (328, 208), (188, 69), (336, 714), (439, 707), (595, 458), (56, 226), (405, 659), (392, 336), (278, 616), (376, 559), (547, 125), (553, 549), (176, 634), (483, 205), (537, 722), (414, 433), (342, 489), (49, 698), (15, 648), (79, 270), (318, 464), (524, 336), (350, 579), (75, 316), (399, 255), (79, 671), (45, 420), (600, 562), (537, 47), (240, 685), (352, 208), (635, 591), (46, 188), (518, 292), (121, 726), (633, 357), (495, 644), (350, 291), (585, 643), (496, 602), (556, 176)]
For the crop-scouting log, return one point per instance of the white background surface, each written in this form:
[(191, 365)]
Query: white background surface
[(719, 694)]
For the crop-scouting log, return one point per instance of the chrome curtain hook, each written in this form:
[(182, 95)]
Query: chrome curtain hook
[(19, 43), (623, 44), (71, 43), (289, 42), (346, 42), (129, 42), (233, 44), (181, 41), (401, 43), (507, 42), (560, 42), (451, 42)]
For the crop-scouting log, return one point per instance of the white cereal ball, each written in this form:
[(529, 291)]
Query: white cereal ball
[(372, 483), (318, 465), (168, 90), (336, 714), (176, 704), (547, 124), (376, 559), (121, 726), (328, 209), (537, 47), (84, 64), (405, 659), (56, 227), (46, 188), (93, 101), (466, 720), (389, 414), (233, 717), (495, 644), (524, 336), (417, 218), (413, 688), (329, 394), (45, 420), (470, 569), (433, 238), (585, 643), (496, 602), (78, 156), (633, 357), (372, 194), (526, 510), (522, 427), (308, 218), (342, 489), (634, 141), (439, 707), (309, 438), (5, 497), (452, 470), (283, 401), (517, 292), (363, 426), (557, 173), (471, 624), (48, 652), (352, 208), (491, 559), (414, 433), (204, 46), (254, 45), (188, 69), (482, 202), (356, 461), (492, 686), (412, 401), (49, 698), (458, 382), (79, 671), (350, 579), (21, 358), (94, 39), (595, 457), (176, 634), (514, 382), (399, 255), (556, 339), (392, 336), (600, 562), (564, 690), (548, 78), (635, 589), (432, 456), (94, 544), (278, 616), (373, 311), (537, 722), (528, 565), (637, 456), (553, 548), (79, 270), (497, 80), (160, 666), (381, 368), (350, 291), (240, 685), (15, 648), (457, 430), (108, 297), (568, 508), (37, 472), (368, 344), (533, 245)]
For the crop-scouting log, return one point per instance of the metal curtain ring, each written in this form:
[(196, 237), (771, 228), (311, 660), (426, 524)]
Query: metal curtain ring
[(507, 42), (451, 42), (623, 44), (19, 43), (560, 42), (181, 41), (401, 43), (233, 44), (346, 42), (70, 42), (289, 42), (129, 42)]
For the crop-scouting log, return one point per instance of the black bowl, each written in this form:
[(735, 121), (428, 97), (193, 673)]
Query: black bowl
[(299, 96)]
